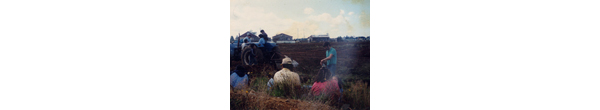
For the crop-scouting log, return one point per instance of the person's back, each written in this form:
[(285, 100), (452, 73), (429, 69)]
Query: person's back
[(327, 87), (333, 59), (237, 81), (238, 78), (285, 75), (261, 42)]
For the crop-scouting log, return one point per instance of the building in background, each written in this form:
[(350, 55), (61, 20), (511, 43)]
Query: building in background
[(252, 36), (283, 38), (319, 38)]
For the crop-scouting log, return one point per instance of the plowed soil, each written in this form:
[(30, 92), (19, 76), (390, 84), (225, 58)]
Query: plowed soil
[(353, 58)]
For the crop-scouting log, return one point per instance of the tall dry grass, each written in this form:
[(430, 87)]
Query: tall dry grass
[(357, 95)]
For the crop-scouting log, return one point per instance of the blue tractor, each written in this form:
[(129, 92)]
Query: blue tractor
[(266, 52)]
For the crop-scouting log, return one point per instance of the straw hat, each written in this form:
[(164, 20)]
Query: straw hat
[(286, 60)]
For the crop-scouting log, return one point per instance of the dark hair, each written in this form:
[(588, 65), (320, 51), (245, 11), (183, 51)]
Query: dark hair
[(240, 67), (262, 30), (326, 44), (240, 70), (323, 74)]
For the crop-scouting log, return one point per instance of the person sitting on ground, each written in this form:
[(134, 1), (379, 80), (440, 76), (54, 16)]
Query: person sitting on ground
[(285, 75), (270, 84), (239, 78), (325, 84)]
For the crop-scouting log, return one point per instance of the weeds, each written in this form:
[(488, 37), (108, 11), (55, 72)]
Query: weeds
[(286, 89), (357, 95), (259, 84)]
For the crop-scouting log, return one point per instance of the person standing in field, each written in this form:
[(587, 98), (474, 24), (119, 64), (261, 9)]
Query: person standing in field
[(330, 58), (331, 61)]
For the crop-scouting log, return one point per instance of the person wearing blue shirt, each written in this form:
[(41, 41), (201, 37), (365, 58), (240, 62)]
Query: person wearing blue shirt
[(263, 37), (261, 42), (239, 78), (330, 59)]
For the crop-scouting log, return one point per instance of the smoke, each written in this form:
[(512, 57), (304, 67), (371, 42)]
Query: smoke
[(365, 19), (350, 29)]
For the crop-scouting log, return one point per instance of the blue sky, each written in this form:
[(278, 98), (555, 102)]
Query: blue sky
[(301, 18)]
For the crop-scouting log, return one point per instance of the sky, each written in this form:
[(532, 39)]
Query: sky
[(301, 18)]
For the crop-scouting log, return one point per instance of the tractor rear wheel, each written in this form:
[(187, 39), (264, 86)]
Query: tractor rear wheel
[(246, 52)]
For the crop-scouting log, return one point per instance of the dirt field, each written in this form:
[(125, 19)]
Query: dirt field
[(353, 57), (353, 67)]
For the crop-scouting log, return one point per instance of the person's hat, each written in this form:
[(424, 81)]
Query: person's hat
[(326, 44), (286, 60)]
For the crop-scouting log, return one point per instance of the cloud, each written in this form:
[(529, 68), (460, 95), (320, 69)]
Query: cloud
[(247, 18), (365, 19), (327, 18), (335, 26), (308, 10)]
